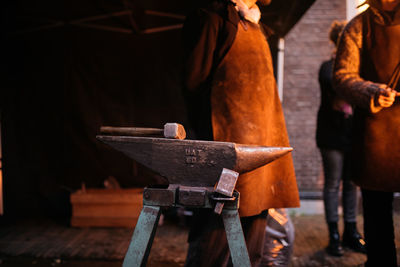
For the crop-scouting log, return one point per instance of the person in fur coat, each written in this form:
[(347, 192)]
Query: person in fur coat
[(366, 74)]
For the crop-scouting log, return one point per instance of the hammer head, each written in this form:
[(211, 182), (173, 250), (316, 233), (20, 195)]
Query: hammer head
[(174, 131)]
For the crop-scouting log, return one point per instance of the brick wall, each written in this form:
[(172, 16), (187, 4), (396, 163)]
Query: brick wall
[(306, 47)]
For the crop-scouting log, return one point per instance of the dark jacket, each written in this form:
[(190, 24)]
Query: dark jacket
[(333, 126), (207, 36)]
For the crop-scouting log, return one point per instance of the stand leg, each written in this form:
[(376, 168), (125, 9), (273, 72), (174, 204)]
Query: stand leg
[(236, 241), (142, 237)]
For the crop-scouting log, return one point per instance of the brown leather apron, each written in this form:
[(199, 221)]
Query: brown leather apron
[(378, 145), (246, 109)]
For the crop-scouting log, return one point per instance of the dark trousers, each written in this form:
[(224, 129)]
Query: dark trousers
[(378, 228), (208, 245), (336, 170)]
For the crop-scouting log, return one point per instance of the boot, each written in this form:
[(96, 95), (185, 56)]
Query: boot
[(334, 248), (352, 238)]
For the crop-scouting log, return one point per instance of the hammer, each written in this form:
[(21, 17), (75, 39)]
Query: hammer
[(170, 131)]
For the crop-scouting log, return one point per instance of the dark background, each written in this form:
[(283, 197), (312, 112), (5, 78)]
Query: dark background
[(63, 79)]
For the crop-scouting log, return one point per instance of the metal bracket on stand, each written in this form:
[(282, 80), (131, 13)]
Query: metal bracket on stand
[(184, 196)]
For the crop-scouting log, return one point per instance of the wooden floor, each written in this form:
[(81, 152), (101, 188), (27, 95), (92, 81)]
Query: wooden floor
[(57, 243)]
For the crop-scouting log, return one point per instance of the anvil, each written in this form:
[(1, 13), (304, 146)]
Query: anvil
[(193, 162), (191, 167)]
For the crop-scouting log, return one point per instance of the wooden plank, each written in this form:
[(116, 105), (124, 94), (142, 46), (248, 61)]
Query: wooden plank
[(106, 207), (112, 210), (108, 196)]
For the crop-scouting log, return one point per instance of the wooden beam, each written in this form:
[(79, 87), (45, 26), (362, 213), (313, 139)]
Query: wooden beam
[(104, 27), (105, 16), (162, 29), (164, 14)]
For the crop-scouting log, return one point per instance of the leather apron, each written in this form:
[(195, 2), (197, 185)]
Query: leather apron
[(246, 109), (378, 135)]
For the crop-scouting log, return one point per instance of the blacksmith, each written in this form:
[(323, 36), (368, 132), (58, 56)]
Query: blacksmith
[(366, 74), (232, 96)]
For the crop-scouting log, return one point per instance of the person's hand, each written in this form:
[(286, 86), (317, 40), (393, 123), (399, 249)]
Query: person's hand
[(384, 98)]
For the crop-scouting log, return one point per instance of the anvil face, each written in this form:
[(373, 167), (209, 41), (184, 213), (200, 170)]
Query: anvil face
[(185, 162), (192, 162)]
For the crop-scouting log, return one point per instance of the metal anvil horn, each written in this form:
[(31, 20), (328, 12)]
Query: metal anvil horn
[(193, 162)]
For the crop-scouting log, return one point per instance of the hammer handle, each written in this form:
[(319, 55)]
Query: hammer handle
[(131, 131)]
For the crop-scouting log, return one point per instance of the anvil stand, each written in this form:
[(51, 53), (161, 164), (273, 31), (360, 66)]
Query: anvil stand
[(154, 199)]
